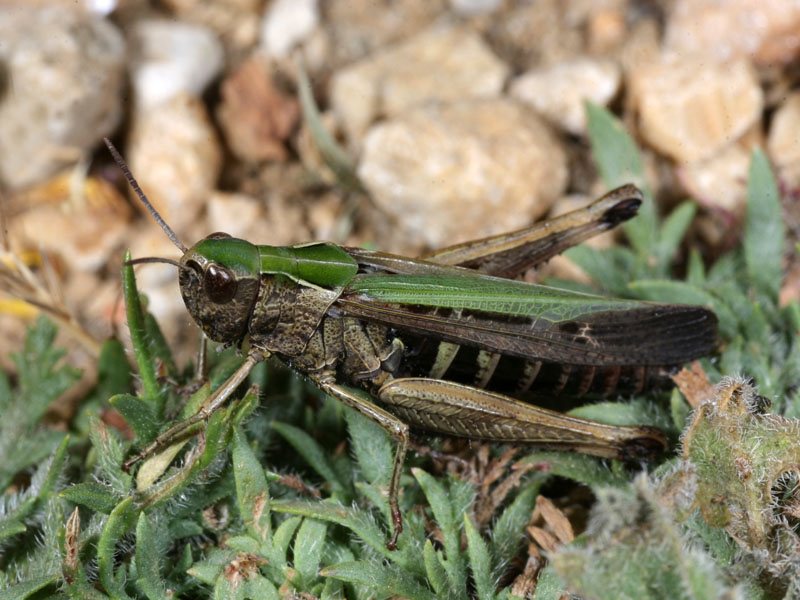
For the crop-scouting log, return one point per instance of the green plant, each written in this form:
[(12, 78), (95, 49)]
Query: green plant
[(280, 498)]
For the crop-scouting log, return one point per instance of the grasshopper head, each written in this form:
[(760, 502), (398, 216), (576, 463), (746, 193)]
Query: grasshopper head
[(219, 275), (219, 282)]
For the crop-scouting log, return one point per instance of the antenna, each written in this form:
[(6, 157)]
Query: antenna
[(156, 259), (135, 186)]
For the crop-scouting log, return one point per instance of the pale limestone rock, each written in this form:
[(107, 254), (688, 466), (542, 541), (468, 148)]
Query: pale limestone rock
[(171, 58), (79, 228), (720, 181), (559, 92), (238, 215), (63, 71), (453, 172), (690, 108), (286, 23), (765, 30), (419, 70), (783, 141), (471, 8), (359, 28), (176, 156)]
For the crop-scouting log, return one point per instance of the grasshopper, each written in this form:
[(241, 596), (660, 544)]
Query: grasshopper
[(448, 343)]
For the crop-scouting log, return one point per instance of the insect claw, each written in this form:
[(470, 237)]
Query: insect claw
[(126, 466)]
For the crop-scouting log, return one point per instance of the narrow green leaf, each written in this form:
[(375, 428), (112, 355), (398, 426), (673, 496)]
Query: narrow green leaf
[(227, 589), (121, 520), (435, 571), (439, 501), (109, 454), (695, 269), (260, 588), (159, 348), (376, 494), (578, 467), (358, 521), (550, 585), (314, 455), (209, 569), (42, 486), (615, 153), (679, 409), (26, 589), (505, 534), (282, 539), (792, 314), (252, 495), (183, 528), (243, 543), (141, 346), (334, 156), (309, 544), (11, 526), (41, 381), (371, 446), (52, 470), (155, 466), (98, 497), (479, 561), (601, 267), (333, 590), (138, 414), (113, 371), (636, 412), (618, 162), (148, 561), (756, 329), (386, 579), (673, 231), (765, 232)]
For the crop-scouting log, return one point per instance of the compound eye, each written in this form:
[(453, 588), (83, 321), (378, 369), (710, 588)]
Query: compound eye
[(219, 235), (220, 284)]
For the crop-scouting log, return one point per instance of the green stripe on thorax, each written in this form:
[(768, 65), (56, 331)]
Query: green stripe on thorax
[(238, 255), (321, 264)]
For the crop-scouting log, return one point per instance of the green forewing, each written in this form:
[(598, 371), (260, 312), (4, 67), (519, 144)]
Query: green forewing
[(487, 294), (531, 321)]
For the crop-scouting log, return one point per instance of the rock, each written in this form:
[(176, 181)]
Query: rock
[(542, 35), (174, 153), (64, 70), (454, 172), (256, 117), (691, 108), (286, 23), (783, 142), (236, 214), (606, 30), (359, 28), (170, 58), (559, 92), (83, 233), (471, 8), (420, 70), (765, 30), (235, 22), (719, 182)]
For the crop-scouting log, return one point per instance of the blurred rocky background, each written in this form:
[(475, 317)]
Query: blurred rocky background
[(459, 119)]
